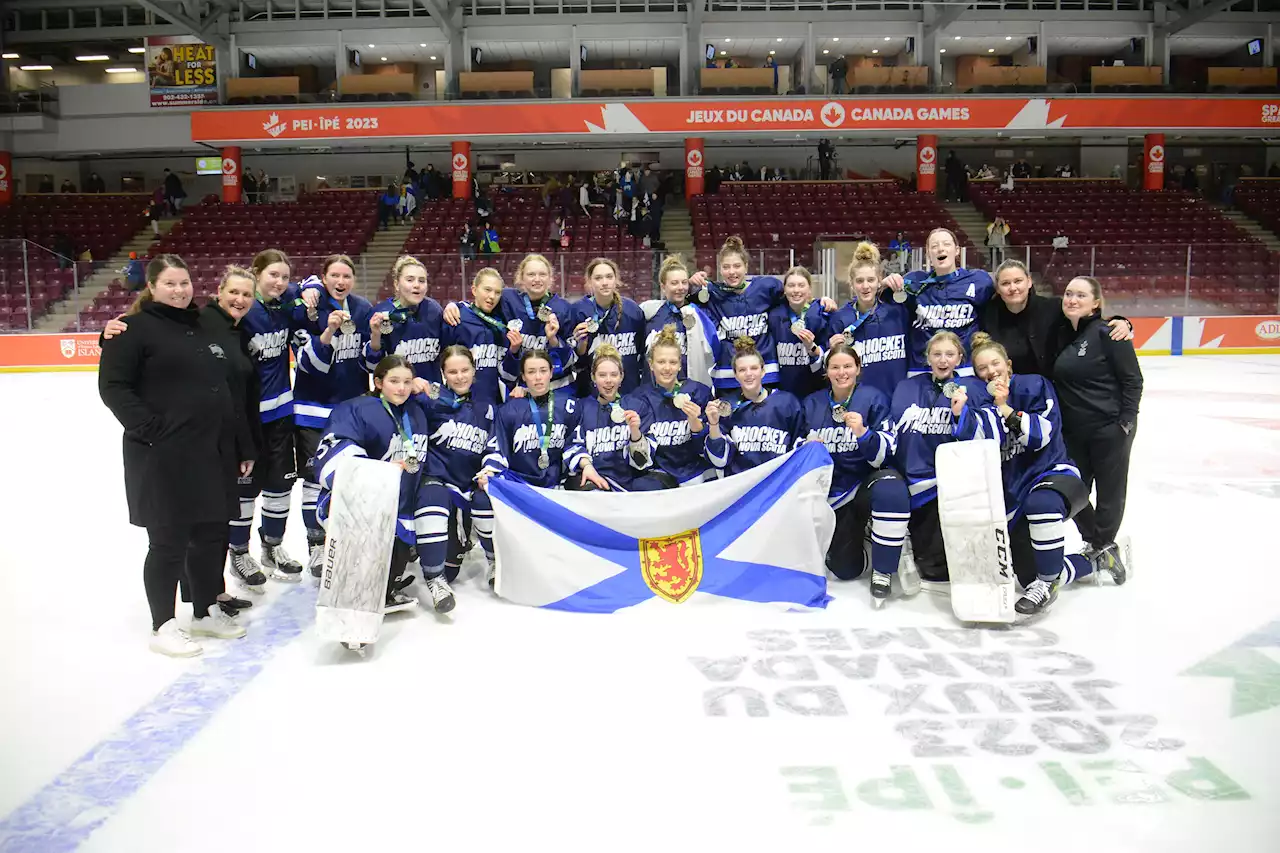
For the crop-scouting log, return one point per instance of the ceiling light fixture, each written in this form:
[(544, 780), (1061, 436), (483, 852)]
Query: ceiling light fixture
[(837, 38), (726, 41), (35, 67), (424, 44), (9, 56), (779, 39), (122, 71), (1008, 38), (991, 50), (772, 52), (137, 50), (96, 57), (888, 38), (826, 52), (371, 47), (722, 53), (942, 50), (875, 50), (957, 38), (433, 59), (384, 59)]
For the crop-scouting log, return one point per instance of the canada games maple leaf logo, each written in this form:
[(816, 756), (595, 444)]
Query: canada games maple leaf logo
[(832, 114), (273, 125)]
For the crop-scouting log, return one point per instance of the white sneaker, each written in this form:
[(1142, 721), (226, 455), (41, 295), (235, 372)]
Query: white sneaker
[(171, 640), (217, 624), (441, 594)]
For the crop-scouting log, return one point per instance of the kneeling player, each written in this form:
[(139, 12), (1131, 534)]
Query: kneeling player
[(609, 432), (763, 424), (851, 419), (928, 411), (1042, 487), (392, 427)]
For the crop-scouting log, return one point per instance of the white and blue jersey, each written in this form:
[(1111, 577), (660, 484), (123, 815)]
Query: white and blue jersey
[(622, 324), (516, 305), (330, 374), (486, 336), (364, 427), (922, 421), (948, 302), (798, 372), (271, 327), (609, 444), (880, 339), (756, 432), (854, 458), (415, 335), (673, 445), (668, 314), (460, 431), (743, 312), (1037, 449), (520, 432)]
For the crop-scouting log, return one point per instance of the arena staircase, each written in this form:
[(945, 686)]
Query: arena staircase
[(973, 229), (677, 231), (1253, 229), (379, 259), (65, 312)]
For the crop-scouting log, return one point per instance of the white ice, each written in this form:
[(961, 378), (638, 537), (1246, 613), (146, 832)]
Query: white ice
[(507, 728)]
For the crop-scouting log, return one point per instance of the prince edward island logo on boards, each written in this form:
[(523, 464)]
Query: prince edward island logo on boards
[(672, 565)]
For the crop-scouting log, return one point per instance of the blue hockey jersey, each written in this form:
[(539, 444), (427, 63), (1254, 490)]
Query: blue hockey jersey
[(271, 327), (328, 375), (516, 305), (460, 432), (622, 324), (486, 336), (854, 458), (1038, 450), (608, 444), (515, 442), (756, 432), (364, 427), (880, 339), (415, 335), (668, 314), (950, 302), (675, 448), (798, 372), (743, 313), (921, 419)]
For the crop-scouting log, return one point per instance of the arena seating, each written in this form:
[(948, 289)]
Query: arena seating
[(99, 223), (1136, 243), (801, 211), (1260, 199)]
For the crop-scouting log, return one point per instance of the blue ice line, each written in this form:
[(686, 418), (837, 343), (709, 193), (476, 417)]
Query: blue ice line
[(63, 814)]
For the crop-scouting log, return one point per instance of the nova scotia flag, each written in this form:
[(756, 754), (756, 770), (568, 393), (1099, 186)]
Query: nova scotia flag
[(761, 535)]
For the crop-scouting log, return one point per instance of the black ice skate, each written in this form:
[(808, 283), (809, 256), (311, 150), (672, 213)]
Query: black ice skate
[(1037, 597), (279, 564)]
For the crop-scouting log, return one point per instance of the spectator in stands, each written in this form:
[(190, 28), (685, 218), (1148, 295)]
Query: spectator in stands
[(901, 248), (956, 177), (1190, 181), (997, 232), (46, 184), (264, 187), (557, 233), (135, 273), (584, 199), (649, 182), (489, 240), (984, 173), (839, 71), (174, 192), (410, 174), (250, 187), (406, 205), (95, 184), (777, 175), (566, 197), (387, 206), (1021, 169), (1007, 184), (156, 211), (65, 249), (747, 173), (627, 183), (429, 181), (549, 191), (467, 242), (714, 178), (67, 186)]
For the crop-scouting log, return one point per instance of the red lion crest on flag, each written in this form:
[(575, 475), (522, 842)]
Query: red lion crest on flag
[(672, 565)]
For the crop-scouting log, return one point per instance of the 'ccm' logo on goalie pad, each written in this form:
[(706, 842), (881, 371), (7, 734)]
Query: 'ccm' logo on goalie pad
[(1003, 557)]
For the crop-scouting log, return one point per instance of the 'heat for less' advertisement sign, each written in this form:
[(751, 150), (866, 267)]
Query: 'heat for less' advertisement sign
[(182, 72)]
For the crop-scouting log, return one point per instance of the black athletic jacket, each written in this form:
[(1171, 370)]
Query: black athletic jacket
[(1098, 380)]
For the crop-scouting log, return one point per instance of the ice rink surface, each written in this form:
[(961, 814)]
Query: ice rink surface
[(1135, 718)]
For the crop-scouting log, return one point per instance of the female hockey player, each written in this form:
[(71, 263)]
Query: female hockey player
[(408, 324), (851, 419), (166, 382), (1042, 489), (331, 370), (608, 317), (740, 306), (390, 426), (609, 432), (763, 424), (673, 413), (461, 425), (927, 411), (531, 434), (875, 328), (495, 348), (795, 325), (1100, 385), (673, 283)]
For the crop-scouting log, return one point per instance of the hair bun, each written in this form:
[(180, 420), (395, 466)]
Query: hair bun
[(979, 339), (744, 344), (606, 351)]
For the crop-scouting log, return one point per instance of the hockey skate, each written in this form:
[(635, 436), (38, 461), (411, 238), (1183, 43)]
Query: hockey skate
[(246, 572), (315, 558), (881, 585), (278, 563), (397, 602), (1115, 559), (441, 593), (1037, 597)]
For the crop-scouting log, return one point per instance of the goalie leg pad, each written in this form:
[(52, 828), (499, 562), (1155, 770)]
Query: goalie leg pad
[(972, 518)]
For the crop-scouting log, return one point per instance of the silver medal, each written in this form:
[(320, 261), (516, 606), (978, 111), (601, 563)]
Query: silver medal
[(386, 326), (993, 386), (433, 390), (348, 326), (725, 408), (899, 296), (544, 313), (797, 327), (616, 414), (689, 316), (950, 389), (313, 314), (411, 464), (837, 413), (704, 296), (544, 461), (515, 325), (681, 400), (593, 326)]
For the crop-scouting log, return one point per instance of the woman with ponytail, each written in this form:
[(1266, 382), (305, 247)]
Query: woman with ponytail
[(408, 324), (495, 348), (795, 325), (852, 419), (609, 432), (606, 317), (875, 329), (763, 424), (672, 413)]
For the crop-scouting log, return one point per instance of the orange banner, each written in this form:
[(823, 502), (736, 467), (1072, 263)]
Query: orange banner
[(49, 352), (1224, 334), (706, 116)]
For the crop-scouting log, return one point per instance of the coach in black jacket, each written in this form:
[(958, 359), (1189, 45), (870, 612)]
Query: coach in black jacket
[(1099, 388), (166, 381)]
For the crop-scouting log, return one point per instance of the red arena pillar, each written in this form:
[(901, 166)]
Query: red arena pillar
[(694, 167), (231, 185), (6, 178), (461, 167), (927, 164), (1153, 162)]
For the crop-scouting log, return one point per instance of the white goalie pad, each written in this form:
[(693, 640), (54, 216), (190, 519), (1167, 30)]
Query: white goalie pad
[(971, 513), (359, 537)]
